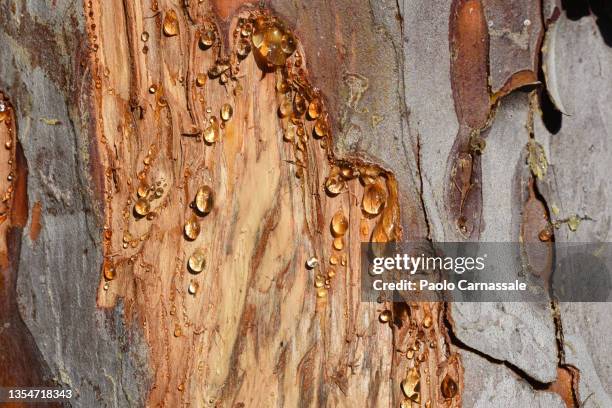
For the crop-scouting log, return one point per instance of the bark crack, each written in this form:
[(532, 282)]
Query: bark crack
[(535, 384)]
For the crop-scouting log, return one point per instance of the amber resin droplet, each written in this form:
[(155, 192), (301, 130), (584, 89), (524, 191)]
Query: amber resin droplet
[(109, 270), (272, 42), (282, 86), (347, 173), (259, 28), (211, 133), (243, 47), (226, 112), (301, 133), (448, 387), (545, 235), (321, 293), (271, 47), (284, 109), (320, 127), (385, 316), (374, 199), (143, 190), (411, 385), (334, 185), (193, 287), (289, 134), (339, 224), (299, 103), (171, 26), (207, 39), (142, 207), (427, 322), (288, 43), (197, 261), (314, 109), (200, 79), (338, 243), (192, 229), (204, 200)]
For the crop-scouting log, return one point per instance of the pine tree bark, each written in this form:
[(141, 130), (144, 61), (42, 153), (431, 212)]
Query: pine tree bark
[(185, 203)]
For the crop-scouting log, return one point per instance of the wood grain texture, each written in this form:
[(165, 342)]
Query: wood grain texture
[(257, 332)]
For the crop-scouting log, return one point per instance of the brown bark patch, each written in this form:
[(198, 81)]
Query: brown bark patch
[(536, 235), (36, 223), (469, 43), (19, 207), (521, 79), (565, 385), (515, 32)]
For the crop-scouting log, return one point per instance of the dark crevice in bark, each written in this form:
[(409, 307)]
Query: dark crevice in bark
[(535, 384), (575, 9), (574, 372), (551, 116), (420, 174), (601, 10), (553, 120)]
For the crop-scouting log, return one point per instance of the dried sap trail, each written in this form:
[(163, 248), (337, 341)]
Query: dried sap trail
[(232, 234)]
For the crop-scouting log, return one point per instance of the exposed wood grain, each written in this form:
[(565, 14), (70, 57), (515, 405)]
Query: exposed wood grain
[(257, 304)]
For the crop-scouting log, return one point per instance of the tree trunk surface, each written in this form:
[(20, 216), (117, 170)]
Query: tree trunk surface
[(186, 187)]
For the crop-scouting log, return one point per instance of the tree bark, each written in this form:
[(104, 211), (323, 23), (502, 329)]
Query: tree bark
[(186, 198)]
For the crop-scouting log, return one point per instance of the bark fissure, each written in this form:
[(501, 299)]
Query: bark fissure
[(535, 384)]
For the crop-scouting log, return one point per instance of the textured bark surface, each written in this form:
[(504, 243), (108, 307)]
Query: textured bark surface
[(440, 107)]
